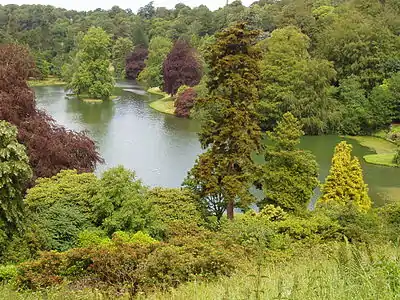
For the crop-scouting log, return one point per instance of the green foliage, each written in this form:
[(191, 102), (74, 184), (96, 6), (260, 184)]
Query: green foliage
[(294, 81), (151, 76), (121, 49), (396, 158), (92, 75), (14, 175), (121, 203), (8, 273), (231, 132), (289, 175), (345, 185), (93, 237), (175, 209)]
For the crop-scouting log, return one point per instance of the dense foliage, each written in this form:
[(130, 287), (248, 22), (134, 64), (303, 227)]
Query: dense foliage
[(231, 131), (290, 175), (345, 184), (92, 75), (181, 67), (184, 102), (50, 147), (135, 62), (14, 175)]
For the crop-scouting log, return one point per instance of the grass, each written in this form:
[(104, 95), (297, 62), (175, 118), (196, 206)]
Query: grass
[(385, 159), (165, 104), (385, 150), (334, 271), (46, 82), (86, 98)]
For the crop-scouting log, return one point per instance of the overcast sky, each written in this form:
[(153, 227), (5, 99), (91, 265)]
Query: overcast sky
[(132, 4)]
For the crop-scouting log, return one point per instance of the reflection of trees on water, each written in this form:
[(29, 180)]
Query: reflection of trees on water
[(95, 117), (185, 127)]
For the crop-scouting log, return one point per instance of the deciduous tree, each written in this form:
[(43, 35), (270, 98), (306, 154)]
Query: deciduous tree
[(121, 49), (15, 173), (50, 147), (152, 76), (92, 75), (135, 62), (181, 67)]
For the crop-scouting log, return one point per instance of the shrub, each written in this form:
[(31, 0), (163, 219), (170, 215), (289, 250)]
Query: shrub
[(135, 62), (396, 158), (185, 102), (8, 273)]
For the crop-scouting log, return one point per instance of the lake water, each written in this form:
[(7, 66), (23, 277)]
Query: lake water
[(162, 148)]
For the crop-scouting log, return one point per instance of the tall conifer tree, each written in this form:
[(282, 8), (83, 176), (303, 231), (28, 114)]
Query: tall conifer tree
[(230, 131)]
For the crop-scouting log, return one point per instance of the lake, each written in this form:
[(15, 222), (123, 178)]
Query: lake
[(161, 148)]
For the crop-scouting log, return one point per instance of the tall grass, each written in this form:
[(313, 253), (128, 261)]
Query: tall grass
[(339, 271)]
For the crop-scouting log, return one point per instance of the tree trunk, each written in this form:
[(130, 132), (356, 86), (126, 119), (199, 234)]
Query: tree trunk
[(229, 210)]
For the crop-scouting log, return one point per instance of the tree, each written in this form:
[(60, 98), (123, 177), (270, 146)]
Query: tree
[(230, 132), (15, 174), (289, 175), (184, 102), (121, 204), (121, 49), (181, 67), (92, 75), (293, 81), (152, 75), (135, 62), (148, 11), (50, 147), (345, 184)]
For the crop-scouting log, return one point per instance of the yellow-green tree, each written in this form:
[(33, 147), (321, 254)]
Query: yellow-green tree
[(345, 184)]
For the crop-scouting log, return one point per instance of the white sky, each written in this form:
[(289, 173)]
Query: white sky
[(124, 4)]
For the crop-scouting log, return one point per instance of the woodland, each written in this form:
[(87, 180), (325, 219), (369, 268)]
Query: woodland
[(257, 79)]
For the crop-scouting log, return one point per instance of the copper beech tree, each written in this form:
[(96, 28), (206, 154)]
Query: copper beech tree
[(50, 147), (181, 67)]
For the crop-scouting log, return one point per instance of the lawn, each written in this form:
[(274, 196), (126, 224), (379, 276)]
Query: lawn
[(384, 149), (46, 82), (165, 104)]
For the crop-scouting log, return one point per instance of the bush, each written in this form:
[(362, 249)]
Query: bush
[(185, 102), (8, 273), (142, 266)]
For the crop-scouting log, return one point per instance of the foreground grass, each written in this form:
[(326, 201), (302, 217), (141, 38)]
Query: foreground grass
[(165, 104), (331, 271), (46, 82)]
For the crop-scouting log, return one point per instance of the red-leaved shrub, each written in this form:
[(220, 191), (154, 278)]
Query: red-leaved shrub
[(184, 102)]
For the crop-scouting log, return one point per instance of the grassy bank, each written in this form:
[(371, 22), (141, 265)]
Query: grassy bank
[(165, 104), (46, 82), (385, 150)]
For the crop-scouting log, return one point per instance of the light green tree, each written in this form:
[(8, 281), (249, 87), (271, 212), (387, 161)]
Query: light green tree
[(122, 47), (293, 81), (289, 175), (92, 75), (151, 76), (14, 175), (230, 131), (345, 184)]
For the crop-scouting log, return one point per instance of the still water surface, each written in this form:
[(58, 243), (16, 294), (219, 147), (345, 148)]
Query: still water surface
[(161, 148)]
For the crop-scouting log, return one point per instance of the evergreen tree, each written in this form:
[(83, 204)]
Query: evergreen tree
[(93, 59), (15, 172), (231, 131), (345, 184), (289, 175)]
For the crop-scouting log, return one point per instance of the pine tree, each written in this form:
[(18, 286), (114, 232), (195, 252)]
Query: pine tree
[(345, 184), (230, 131), (289, 175)]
